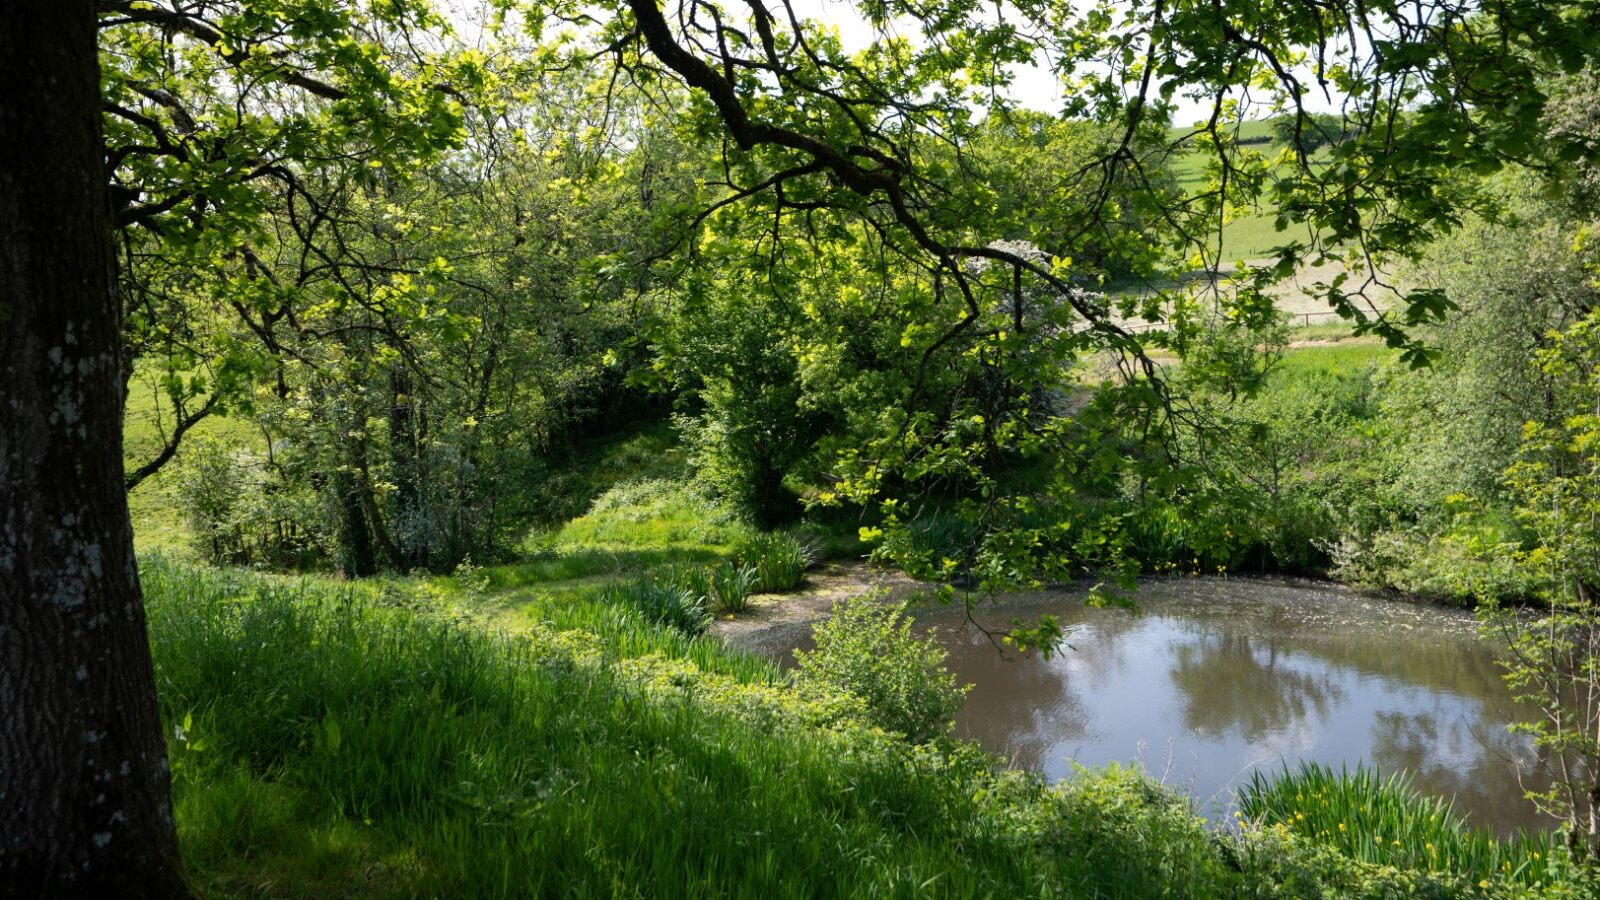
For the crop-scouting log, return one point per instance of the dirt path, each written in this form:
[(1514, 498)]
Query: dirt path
[(774, 622)]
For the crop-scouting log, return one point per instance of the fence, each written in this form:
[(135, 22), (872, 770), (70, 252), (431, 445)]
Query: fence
[(1299, 319)]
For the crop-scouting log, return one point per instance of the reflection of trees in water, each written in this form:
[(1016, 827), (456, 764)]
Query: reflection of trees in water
[(1248, 662), (1024, 705), (1456, 664), (1231, 681), (1470, 758)]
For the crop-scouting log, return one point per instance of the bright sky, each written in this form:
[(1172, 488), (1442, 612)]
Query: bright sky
[(1034, 87)]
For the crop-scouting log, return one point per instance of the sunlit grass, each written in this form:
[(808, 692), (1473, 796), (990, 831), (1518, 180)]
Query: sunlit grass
[(154, 505), (1342, 357), (332, 739)]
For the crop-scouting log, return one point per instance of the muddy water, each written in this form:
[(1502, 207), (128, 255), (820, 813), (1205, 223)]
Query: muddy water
[(1214, 679)]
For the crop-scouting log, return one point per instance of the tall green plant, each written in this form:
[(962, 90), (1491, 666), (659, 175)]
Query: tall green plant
[(778, 561), (1384, 820)]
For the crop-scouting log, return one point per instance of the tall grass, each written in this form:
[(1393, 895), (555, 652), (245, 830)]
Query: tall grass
[(778, 560), (1384, 820), (724, 587), (343, 740), (662, 602), (617, 629)]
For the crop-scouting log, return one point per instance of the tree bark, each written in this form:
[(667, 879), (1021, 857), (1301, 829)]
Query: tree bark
[(85, 806)]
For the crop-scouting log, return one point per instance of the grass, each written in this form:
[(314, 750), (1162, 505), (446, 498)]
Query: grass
[(1246, 235), (654, 514), (157, 518), (1329, 329), (334, 739), (1340, 358)]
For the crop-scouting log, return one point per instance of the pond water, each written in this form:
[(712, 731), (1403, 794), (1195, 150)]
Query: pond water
[(1213, 679)]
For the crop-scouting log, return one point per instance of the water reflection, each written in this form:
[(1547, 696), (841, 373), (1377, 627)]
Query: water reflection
[(1213, 679)]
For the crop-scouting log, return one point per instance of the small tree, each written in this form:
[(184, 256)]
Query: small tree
[(866, 648), (1553, 658)]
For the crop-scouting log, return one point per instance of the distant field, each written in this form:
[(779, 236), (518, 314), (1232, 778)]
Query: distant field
[(154, 504), (1337, 357), (1250, 236)]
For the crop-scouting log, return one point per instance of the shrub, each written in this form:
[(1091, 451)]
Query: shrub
[(240, 514), (779, 561), (652, 514), (866, 648), (922, 544)]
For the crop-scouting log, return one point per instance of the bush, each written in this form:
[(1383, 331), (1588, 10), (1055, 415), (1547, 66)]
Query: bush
[(923, 543), (866, 648), (778, 560), (652, 514), (241, 515)]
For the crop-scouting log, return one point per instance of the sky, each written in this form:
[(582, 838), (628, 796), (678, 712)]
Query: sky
[(1033, 87)]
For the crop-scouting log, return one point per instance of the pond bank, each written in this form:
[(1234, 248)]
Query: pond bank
[(1213, 678)]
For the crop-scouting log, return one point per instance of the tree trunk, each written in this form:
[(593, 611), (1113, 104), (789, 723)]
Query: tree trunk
[(85, 808), (407, 474)]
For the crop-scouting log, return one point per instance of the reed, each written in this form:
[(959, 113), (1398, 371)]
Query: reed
[(779, 561), (1385, 820)]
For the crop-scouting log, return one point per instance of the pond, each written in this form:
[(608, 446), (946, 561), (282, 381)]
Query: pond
[(1213, 679)]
